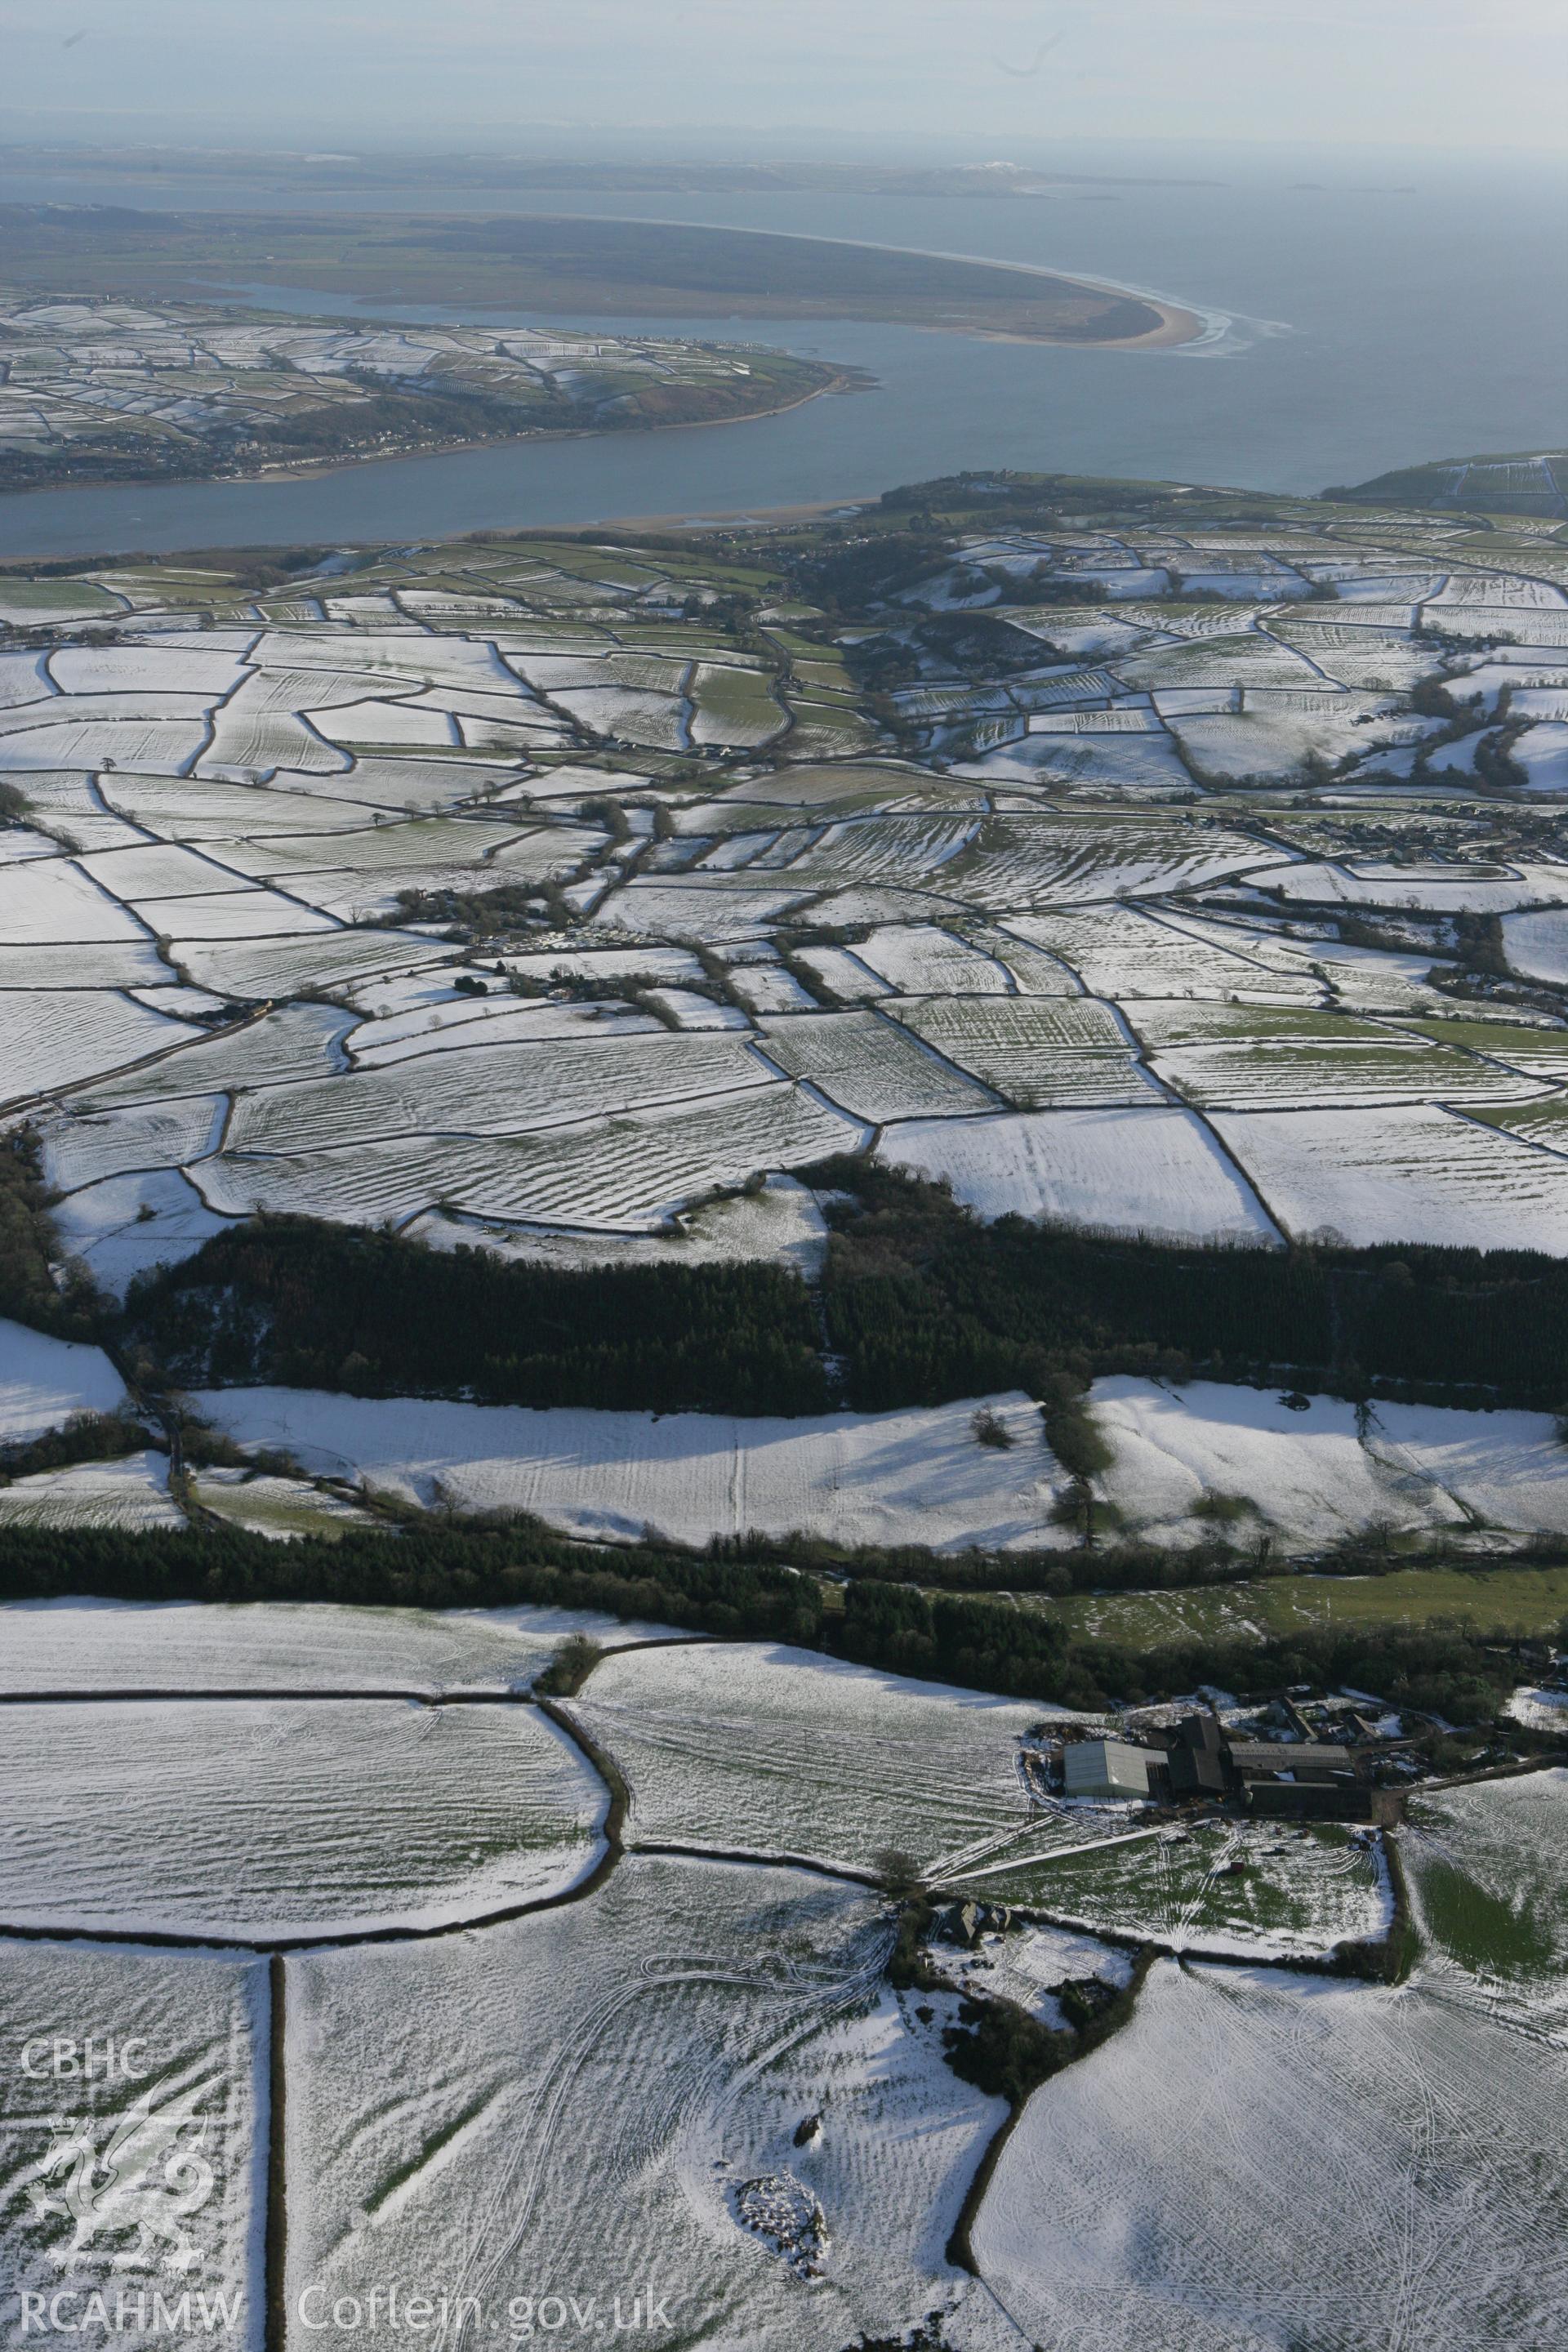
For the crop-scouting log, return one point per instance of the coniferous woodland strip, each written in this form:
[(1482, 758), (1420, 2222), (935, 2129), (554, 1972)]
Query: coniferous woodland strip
[(927, 1304), (314, 1306), (921, 1303)]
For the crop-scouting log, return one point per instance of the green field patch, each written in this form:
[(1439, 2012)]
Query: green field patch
[(827, 727), (1487, 1865), (734, 707), (1544, 1122), (1479, 1929), (1540, 1053), (1502, 1599), (1226, 1885), (1256, 1056)]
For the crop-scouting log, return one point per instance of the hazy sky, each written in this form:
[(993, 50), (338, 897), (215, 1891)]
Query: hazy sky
[(985, 73)]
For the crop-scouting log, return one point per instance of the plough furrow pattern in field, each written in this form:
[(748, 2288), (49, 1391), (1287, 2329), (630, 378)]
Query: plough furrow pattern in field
[(494, 1090), (1369, 2107)]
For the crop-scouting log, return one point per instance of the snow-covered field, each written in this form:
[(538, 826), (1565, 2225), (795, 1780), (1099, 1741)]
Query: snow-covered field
[(1148, 1169), (1543, 1708), (1038, 1052), (1304, 1473), (1537, 944), (577, 2105), (1124, 951), (54, 1038), (626, 1172), (108, 1648), (181, 2141), (1265, 2160), (1311, 1471), (1027, 1962), (692, 2083), (918, 1477), (781, 1223), (783, 1751), (125, 1226), (1409, 1172), (1509, 1469), (43, 1381), (228, 791), (919, 961), (131, 1493), (491, 1089), (85, 1148), (1042, 942), (286, 1817), (870, 1067)]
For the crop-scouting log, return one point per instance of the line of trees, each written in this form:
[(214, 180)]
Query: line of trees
[(979, 1642), (27, 1289), (428, 1565)]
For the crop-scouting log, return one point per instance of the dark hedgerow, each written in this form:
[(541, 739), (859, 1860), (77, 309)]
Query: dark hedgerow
[(976, 1642)]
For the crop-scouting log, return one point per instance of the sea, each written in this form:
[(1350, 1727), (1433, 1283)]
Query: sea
[(1362, 311)]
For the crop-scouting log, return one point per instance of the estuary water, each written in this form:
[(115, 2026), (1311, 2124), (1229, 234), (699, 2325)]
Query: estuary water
[(1363, 313)]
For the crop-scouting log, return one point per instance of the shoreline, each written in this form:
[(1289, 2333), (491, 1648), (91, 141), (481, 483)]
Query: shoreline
[(1177, 326), (728, 518), (1179, 323), (303, 469)]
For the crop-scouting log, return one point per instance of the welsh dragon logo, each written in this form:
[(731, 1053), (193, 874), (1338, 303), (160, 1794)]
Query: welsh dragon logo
[(147, 2178)]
